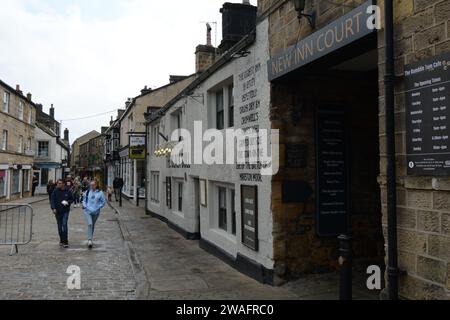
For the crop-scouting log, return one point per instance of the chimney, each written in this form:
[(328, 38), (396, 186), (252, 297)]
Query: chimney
[(120, 113), (238, 20), (18, 89), (29, 96), (145, 91), (128, 102), (66, 135), (205, 55), (112, 121), (52, 112), (39, 107)]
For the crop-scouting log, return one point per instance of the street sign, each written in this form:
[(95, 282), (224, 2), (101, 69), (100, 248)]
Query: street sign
[(249, 207), (138, 148)]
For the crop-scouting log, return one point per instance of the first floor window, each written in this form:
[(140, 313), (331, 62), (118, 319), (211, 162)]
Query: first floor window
[(5, 140), (43, 149), (5, 102), (3, 183), (223, 209), (16, 181), (220, 114), (20, 111), (26, 180), (155, 187)]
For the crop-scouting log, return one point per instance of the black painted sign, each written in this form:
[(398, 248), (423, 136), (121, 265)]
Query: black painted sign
[(169, 192), (249, 207), (427, 116), (332, 173), (296, 155), (349, 28)]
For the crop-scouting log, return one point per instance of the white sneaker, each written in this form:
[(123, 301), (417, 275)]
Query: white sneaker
[(90, 245)]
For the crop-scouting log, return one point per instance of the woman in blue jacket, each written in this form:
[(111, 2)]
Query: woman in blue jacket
[(94, 201)]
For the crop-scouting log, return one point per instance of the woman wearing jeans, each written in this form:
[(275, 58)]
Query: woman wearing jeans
[(94, 201)]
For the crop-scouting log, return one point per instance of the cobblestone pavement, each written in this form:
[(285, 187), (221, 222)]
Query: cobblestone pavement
[(136, 257), (39, 270), (175, 268)]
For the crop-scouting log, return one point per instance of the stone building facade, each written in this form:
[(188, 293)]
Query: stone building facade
[(348, 83), (17, 123)]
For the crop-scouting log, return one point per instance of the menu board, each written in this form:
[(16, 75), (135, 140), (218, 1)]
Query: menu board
[(427, 116), (332, 173), (249, 215)]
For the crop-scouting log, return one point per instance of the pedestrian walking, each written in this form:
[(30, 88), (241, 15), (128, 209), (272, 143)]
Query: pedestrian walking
[(109, 192), (94, 202), (76, 190), (34, 185), (61, 201), (50, 188), (117, 185)]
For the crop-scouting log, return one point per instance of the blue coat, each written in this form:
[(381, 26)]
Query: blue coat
[(58, 196), (94, 201)]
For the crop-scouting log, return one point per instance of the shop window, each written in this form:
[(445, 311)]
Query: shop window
[(3, 183), (16, 181), (155, 187), (223, 209), (26, 180), (6, 102), (44, 177)]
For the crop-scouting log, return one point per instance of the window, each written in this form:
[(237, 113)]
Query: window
[(26, 180), (223, 209), (30, 116), (44, 177), (5, 140), (16, 181), (220, 115), (155, 187), (179, 196), (230, 106), (20, 145), (43, 149), (131, 123), (20, 111), (5, 102), (29, 148), (233, 212), (155, 138), (3, 183)]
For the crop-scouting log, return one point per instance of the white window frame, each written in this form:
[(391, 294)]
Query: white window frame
[(5, 140), (230, 210), (5, 185), (39, 156), (20, 145), (21, 110), (155, 187), (30, 116), (6, 100)]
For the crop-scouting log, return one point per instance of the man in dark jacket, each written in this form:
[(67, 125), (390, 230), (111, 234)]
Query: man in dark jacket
[(118, 185), (61, 200)]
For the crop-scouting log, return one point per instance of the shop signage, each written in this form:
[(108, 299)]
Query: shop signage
[(249, 207), (332, 173), (427, 90), (343, 31), (296, 155), (137, 148)]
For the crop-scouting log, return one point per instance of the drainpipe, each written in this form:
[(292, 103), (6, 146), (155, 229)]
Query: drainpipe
[(389, 83)]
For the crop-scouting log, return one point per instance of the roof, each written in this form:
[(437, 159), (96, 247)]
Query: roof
[(222, 61), (52, 134), (14, 91), (85, 138)]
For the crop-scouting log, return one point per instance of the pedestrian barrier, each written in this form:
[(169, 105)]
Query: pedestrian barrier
[(16, 226)]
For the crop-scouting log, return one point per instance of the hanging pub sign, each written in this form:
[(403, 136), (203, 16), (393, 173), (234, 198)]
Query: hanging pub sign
[(138, 149), (427, 92), (332, 173), (249, 207), (351, 27)]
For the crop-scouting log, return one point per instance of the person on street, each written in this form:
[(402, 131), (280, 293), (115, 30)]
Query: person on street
[(34, 185), (76, 190), (61, 201), (50, 188), (94, 201), (117, 185)]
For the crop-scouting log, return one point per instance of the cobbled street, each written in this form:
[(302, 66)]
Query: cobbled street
[(135, 257)]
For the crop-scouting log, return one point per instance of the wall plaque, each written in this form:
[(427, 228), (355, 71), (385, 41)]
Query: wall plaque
[(249, 207), (427, 116), (332, 172), (296, 155)]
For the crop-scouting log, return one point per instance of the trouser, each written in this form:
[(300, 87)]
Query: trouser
[(91, 219), (76, 199), (62, 219), (117, 192)]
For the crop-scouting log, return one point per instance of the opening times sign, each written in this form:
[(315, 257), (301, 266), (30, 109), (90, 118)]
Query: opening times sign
[(427, 116)]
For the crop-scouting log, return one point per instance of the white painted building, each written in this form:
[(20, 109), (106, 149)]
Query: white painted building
[(204, 201), (52, 154)]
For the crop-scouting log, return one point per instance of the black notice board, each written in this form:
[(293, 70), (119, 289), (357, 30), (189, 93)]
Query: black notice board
[(169, 192), (427, 90), (249, 207), (332, 214)]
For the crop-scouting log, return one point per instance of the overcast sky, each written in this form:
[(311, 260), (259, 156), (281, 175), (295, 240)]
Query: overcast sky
[(88, 56)]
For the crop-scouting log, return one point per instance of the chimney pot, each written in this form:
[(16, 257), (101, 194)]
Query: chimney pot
[(29, 96), (52, 112), (66, 135)]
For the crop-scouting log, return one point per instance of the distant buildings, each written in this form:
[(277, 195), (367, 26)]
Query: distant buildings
[(17, 143), (76, 158)]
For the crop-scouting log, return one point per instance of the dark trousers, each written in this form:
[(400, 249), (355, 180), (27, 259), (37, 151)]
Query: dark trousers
[(117, 192), (62, 219)]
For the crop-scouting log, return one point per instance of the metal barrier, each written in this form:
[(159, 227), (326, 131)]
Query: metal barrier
[(16, 226)]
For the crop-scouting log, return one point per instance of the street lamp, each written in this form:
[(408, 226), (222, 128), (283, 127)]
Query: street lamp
[(300, 8)]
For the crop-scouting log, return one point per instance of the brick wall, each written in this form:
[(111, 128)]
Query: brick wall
[(422, 29)]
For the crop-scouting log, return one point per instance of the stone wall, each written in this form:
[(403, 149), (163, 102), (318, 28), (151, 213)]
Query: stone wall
[(422, 29)]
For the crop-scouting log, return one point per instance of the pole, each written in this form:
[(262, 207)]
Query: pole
[(389, 84), (346, 265), (120, 197), (137, 198)]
